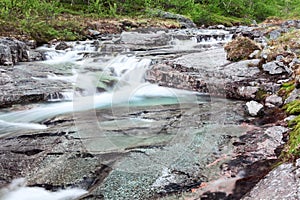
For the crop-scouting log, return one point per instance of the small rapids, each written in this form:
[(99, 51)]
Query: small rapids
[(167, 135), (129, 90)]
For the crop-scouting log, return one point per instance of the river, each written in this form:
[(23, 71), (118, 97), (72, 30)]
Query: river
[(156, 140)]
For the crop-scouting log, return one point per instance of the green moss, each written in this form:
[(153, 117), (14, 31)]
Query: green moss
[(293, 146), (291, 151), (293, 108), (286, 89)]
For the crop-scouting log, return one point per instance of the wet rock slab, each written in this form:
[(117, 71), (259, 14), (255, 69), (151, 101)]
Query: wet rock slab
[(61, 155), (210, 72), (28, 84)]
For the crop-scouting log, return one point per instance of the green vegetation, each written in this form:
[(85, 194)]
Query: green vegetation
[(64, 19), (287, 44), (292, 149), (286, 89), (293, 108)]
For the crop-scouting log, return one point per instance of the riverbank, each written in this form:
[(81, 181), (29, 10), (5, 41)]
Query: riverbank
[(70, 20), (214, 142)]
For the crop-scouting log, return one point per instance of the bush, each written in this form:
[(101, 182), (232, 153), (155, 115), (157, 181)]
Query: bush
[(240, 48)]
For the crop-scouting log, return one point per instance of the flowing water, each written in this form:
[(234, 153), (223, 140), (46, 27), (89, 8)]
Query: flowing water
[(141, 112), (127, 69)]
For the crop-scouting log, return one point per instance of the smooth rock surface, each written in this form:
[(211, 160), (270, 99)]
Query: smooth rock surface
[(29, 84)]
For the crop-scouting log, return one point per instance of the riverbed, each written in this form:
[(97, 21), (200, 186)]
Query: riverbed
[(102, 127)]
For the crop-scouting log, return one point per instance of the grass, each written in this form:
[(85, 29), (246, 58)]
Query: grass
[(41, 20)]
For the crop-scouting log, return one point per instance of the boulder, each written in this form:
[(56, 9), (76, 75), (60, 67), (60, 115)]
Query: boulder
[(93, 33), (280, 183), (36, 56), (247, 31), (295, 94), (247, 92), (274, 100), (31, 44), (291, 24), (254, 108), (240, 48), (13, 51), (254, 54), (62, 46), (183, 21)]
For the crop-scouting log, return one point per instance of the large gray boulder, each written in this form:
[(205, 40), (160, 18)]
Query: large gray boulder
[(13, 51)]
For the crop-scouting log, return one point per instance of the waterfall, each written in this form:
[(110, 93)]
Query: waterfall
[(130, 88)]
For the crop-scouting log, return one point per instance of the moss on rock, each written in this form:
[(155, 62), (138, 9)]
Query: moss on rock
[(291, 151), (292, 148), (286, 89), (293, 108)]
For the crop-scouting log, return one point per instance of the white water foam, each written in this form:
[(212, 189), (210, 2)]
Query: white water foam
[(18, 191), (74, 53), (4, 125), (130, 89), (60, 96)]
